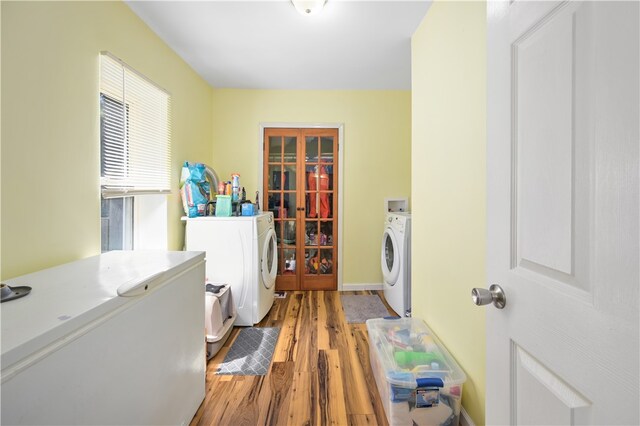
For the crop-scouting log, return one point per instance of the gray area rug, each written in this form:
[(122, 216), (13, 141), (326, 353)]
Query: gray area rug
[(360, 308), (251, 352)]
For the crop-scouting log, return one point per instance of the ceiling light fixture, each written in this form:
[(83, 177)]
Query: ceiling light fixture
[(309, 7)]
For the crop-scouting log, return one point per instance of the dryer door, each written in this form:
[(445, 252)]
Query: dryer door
[(269, 265), (390, 259)]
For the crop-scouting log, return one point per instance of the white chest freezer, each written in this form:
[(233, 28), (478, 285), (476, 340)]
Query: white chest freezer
[(111, 339)]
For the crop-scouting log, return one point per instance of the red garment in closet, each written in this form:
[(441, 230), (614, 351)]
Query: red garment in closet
[(319, 178)]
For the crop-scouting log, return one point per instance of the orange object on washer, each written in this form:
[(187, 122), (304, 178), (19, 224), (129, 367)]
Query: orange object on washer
[(319, 178)]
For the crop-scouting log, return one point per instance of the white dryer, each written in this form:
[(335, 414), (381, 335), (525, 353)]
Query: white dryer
[(240, 251), (396, 261)]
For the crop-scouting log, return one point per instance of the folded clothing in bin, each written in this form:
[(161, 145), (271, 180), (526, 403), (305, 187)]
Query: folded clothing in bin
[(418, 380), (220, 314)]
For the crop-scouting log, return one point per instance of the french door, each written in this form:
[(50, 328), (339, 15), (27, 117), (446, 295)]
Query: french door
[(300, 188)]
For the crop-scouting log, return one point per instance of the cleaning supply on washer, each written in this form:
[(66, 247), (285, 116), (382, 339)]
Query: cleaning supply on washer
[(235, 186), (194, 189), (223, 206), (222, 187), (257, 202), (248, 209)]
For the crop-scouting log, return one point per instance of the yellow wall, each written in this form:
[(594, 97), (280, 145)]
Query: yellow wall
[(448, 175), (50, 124), (377, 154)]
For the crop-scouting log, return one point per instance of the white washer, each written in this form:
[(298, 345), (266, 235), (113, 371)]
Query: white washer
[(240, 251), (396, 261)]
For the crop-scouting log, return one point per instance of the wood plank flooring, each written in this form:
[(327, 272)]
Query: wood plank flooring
[(320, 373)]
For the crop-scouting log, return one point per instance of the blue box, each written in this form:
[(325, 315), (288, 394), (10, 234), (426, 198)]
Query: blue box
[(248, 209)]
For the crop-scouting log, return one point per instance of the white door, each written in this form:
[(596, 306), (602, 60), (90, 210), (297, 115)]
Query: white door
[(563, 218)]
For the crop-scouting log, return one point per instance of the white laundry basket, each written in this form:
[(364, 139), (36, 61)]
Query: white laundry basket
[(220, 314)]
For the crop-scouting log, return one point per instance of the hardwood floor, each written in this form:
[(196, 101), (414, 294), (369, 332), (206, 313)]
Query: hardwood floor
[(320, 373)]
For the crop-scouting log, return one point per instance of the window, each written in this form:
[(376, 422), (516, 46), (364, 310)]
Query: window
[(135, 157), (117, 224)]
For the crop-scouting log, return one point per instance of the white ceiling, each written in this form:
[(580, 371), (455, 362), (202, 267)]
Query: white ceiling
[(267, 44)]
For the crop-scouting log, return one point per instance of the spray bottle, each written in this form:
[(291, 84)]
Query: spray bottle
[(235, 187)]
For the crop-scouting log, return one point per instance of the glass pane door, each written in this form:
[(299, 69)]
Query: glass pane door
[(300, 189), (281, 186), (319, 181)]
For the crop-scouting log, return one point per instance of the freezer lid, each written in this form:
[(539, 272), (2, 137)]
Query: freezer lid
[(68, 297)]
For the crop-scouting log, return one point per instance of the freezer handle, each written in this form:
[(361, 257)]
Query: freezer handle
[(139, 286)]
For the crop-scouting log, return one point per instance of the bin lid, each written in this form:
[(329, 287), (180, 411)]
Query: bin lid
[(411, 355)]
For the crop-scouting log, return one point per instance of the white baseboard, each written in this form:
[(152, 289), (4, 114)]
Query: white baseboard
[(361, 286), (465, 420)]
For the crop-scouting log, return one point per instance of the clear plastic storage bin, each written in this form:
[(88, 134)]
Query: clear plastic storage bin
[(418, 380)]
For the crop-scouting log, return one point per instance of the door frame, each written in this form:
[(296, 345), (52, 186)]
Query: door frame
[(340, 127)]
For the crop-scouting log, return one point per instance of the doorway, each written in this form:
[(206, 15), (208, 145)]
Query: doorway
[(300, 188)]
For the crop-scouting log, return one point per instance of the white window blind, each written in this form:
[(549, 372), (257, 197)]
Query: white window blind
[(135, 132)]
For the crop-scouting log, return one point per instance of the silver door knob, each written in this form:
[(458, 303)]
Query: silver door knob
[(495, 295)]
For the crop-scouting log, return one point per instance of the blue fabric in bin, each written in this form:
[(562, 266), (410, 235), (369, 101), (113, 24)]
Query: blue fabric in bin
[(430, 382), (399, 393)]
